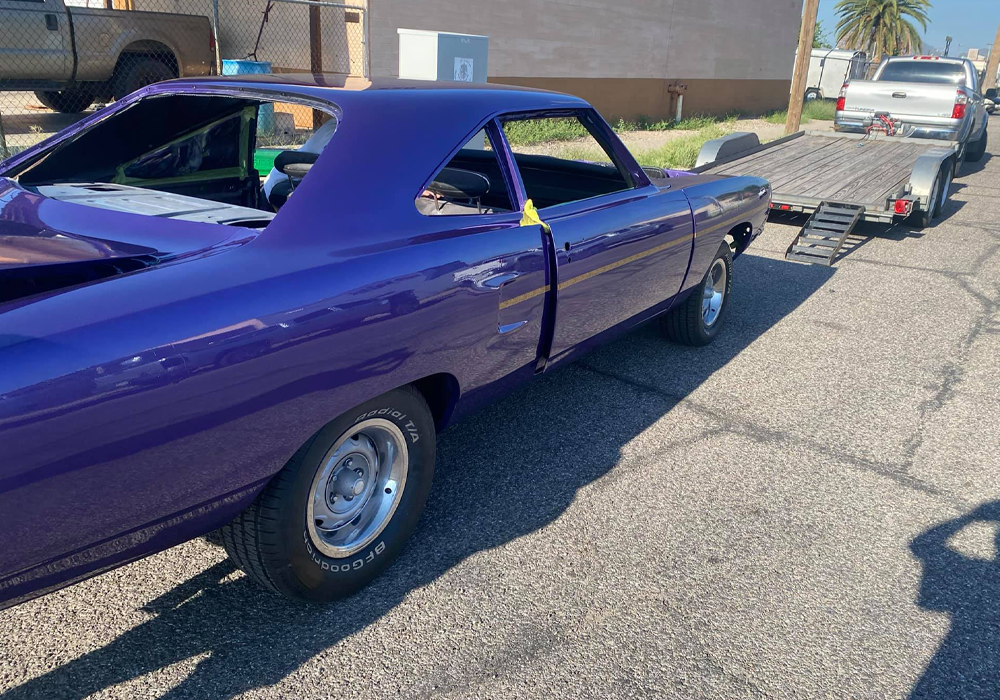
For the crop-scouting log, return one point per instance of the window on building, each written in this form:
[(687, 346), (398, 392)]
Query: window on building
[(561, 161)]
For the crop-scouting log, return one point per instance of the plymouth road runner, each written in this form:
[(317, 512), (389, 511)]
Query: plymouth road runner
[(184, 354)]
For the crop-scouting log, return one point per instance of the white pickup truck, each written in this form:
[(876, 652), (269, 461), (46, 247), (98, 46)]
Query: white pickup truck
[(70, 56), (932, 97)]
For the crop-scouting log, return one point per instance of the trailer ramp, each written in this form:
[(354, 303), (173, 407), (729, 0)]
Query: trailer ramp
[(824, 234)]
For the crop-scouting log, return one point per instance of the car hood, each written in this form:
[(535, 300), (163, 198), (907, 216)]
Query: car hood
[(39, 231)]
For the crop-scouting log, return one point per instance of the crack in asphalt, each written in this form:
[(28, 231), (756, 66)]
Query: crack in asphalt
[(765, 435)]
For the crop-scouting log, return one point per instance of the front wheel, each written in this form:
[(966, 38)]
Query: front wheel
[(344, 506), (698, 319), (69, 101)]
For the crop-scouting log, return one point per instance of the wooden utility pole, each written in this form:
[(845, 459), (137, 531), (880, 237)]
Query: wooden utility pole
[(992, 64), (806, 35), (315, 53)]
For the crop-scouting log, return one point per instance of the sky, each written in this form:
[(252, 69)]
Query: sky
[(970, 23)]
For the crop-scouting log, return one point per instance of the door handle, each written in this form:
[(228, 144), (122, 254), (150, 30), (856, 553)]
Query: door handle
[(51, 22), (497, 281), (899, 94)]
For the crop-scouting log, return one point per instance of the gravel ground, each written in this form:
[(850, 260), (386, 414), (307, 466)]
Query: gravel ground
[(806, 509)]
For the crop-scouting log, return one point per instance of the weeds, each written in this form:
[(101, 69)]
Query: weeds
[(815, 109)]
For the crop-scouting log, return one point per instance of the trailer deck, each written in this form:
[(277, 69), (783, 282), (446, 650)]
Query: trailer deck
[(839, 179), (808, 168)]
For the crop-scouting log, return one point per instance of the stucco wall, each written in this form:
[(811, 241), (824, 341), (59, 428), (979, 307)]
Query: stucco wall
[(578, 45)]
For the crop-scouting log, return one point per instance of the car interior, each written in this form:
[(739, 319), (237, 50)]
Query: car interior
[(164, 156)]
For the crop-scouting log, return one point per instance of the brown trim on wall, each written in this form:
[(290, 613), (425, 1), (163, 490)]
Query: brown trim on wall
[(634, 97)]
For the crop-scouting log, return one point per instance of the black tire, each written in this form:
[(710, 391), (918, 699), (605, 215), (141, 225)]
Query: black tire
[(975, 151), (271, 540), (69, 101), (811, 94), (135, 73), (685, 324), (925, 217)]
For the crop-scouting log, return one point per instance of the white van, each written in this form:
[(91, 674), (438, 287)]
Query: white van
[(829, 69)]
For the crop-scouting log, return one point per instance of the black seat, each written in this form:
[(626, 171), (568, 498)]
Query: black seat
[(456, 183)]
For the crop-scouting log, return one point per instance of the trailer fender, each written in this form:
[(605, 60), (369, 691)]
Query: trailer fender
[(926, 170), (726, 147)]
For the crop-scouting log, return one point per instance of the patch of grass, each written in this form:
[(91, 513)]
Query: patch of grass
[(528, 133), (680, 153), (815, 109), (692, 123)]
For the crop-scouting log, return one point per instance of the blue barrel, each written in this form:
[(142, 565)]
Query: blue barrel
[(242, 66)]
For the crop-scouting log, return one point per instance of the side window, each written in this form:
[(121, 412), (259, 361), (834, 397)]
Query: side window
[(560, 161), (471, 183)]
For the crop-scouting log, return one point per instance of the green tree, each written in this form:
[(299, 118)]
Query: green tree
[(820, 38), (881, 27)]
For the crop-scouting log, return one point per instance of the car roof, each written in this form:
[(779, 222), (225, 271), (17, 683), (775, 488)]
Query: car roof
[(345, 90)]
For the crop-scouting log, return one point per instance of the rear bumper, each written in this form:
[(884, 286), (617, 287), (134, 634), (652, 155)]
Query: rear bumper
[(853, 123)]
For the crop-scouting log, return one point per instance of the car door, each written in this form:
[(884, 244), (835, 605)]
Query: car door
[(622, 244), (511, 257), (35, 40)]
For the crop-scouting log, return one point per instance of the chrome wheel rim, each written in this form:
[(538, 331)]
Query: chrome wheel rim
[(357, 488), (714, 292)]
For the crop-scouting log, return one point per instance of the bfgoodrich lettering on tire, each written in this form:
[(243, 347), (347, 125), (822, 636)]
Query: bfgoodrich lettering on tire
[(344, 506), (697, 319)]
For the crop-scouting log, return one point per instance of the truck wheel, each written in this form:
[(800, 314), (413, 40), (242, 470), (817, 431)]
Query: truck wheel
[(68, 101), (977, 150), (812, 94), (341, 510), (699, 317), (135, 73)]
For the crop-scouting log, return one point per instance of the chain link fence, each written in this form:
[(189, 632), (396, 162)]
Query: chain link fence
[(62, 59)]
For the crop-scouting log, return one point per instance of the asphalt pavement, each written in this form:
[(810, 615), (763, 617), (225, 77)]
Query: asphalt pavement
[(808, 508)]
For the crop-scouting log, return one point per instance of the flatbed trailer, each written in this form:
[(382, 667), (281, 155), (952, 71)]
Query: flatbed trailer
[(839, 179)]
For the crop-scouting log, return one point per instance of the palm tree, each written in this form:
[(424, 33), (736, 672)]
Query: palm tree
[(881, 27)]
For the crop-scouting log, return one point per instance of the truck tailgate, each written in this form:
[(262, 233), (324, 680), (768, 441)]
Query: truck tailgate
[(910, 102)]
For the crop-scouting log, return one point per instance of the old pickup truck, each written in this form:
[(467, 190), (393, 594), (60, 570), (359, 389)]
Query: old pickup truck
[(71, 56), (930, 97), (181, 354)]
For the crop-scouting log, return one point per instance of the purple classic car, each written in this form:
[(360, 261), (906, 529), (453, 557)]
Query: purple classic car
[(185, 352)]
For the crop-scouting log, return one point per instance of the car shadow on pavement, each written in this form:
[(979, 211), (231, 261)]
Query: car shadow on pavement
[(504, 473), (967, 663)]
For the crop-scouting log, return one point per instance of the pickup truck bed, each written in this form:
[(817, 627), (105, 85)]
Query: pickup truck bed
[(807, 168)]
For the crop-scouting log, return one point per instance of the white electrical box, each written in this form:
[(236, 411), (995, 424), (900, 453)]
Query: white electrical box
[(429, 55)]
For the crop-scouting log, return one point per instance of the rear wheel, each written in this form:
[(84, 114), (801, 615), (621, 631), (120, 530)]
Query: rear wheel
[(344, 506), (136, 73), (812, 94), (68, 101), (977, 150), (699, 318)]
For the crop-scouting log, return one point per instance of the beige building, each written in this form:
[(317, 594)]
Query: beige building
[(621, 55)]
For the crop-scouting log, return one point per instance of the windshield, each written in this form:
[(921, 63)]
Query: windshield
[(923, 71)]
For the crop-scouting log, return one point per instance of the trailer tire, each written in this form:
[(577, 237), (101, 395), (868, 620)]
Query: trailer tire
[(69, 101), (812, 94), (975, 151), (688, 323), (938, 197), (380, 453)]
